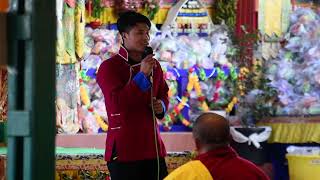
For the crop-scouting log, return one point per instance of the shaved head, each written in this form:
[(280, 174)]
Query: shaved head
[(211, 129)]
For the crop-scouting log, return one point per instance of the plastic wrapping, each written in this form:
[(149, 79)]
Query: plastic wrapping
[(295, 72)]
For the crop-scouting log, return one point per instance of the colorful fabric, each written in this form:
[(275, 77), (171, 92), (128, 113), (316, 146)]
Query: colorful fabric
[(70, 31), (68, 98), (80, 23), (76, 163), (224, 163), (130, 129), (162, 3), (69, 34), (71, 3), (193, 170), (3, 94), (108, 17), (60, 38), (294, 129), (274, 16), (285, 15)]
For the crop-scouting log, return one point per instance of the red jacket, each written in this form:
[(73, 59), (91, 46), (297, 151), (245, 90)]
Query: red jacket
[(129, 109), (225, 164)]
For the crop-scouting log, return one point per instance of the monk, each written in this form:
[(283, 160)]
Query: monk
[(216, 159)]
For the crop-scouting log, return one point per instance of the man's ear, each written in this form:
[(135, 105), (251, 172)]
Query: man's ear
[(124, 35)]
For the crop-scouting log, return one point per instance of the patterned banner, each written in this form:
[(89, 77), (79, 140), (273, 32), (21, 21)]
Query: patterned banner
[(3, 94), (163, 3)]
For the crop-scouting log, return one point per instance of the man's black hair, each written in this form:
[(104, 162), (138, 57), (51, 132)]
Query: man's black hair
[(129, 19), (211, 128)]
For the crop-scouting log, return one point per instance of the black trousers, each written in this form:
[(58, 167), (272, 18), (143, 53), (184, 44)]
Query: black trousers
[(137, 170)]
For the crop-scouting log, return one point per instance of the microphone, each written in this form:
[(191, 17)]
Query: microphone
[(148, 50)]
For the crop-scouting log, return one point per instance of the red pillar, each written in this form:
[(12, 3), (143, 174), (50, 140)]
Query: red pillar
[(247, 15)]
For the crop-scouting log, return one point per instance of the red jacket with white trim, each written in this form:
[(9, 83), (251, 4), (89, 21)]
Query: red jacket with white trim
[(129, 109)]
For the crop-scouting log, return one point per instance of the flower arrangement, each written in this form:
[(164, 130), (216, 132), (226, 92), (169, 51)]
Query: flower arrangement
[(295, 72), (151, 7), (193, 84), (225, 11), (256, 98)]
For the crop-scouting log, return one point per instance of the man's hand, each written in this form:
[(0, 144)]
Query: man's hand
[(147, 64), (157, 106)]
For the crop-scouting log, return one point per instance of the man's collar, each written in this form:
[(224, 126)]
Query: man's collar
[(123, 53), (221, 151)]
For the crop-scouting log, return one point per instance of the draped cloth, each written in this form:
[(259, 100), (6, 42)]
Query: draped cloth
[(3, 94)]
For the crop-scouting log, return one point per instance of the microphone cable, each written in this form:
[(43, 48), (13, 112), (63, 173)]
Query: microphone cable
[(155, 128), (153, 117)]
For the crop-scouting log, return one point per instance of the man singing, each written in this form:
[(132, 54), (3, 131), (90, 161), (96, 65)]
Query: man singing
[(135, 93)]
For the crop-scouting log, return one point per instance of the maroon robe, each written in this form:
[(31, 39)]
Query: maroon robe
[(225, 164)]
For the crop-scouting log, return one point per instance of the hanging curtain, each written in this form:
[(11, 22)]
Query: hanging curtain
[(67, 98), (274, 16), (247, 15), (70, 50), (70, 30)]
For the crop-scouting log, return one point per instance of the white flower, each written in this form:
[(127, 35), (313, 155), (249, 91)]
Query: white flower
[(152, 6)]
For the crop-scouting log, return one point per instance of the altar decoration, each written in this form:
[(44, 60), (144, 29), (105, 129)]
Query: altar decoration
[(295, 72)]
